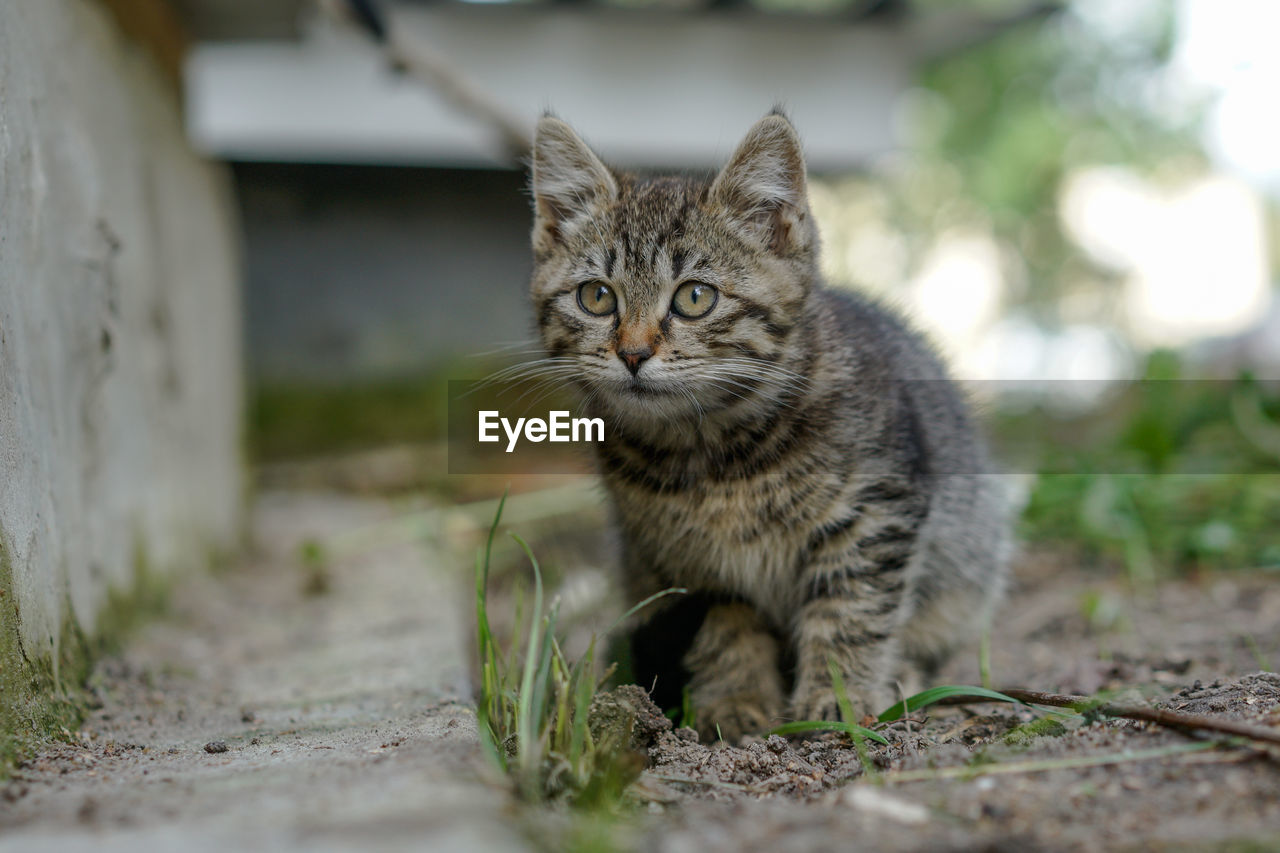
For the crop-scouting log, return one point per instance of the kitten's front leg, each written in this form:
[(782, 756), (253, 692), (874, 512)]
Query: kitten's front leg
[(854, 595), (862, 650), (735, 684)]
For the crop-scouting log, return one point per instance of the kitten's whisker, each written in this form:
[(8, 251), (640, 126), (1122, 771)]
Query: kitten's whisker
[(532, 368), (730, 392), (518, 370), (744, 368), (692, 398), (753, 389), (516, 379), (543, 388), (781, 376), (529, 345), (762, 366)]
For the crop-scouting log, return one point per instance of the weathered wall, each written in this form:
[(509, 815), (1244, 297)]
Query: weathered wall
[(120, 392)]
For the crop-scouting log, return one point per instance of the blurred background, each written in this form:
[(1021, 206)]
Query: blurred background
[(1077, 200), (247, 246)]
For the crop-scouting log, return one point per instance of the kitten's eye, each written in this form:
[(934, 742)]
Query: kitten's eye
[(694, 299), (597, 298)]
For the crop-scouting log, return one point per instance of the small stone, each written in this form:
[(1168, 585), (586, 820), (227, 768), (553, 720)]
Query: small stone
[(215, 746)]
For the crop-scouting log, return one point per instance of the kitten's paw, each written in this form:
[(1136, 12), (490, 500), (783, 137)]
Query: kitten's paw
[(819, 704), (731, 718)]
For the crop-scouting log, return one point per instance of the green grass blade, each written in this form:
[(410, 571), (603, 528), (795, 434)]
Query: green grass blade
[(482, 579), (984, 657), (842, 695), (675, 590), (493, 531), (487, 744), (802, 726), (936, 694), (526, 735), (583, 690), (846, 713), (490, 705), (543, 679)]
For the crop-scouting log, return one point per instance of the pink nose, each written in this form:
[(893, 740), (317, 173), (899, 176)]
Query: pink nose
[(634, 358)]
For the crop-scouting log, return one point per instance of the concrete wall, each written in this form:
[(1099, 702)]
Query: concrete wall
[(120, 388), (360, 273)]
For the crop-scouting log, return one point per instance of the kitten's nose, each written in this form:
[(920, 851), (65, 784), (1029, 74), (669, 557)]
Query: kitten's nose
[(634, 358)]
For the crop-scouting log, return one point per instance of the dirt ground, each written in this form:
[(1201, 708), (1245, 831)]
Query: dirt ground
[(263, 715)]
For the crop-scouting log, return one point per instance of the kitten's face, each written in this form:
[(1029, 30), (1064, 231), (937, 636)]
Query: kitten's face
[(670, 297)]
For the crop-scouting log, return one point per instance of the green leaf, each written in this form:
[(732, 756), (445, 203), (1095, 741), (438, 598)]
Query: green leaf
[(801, 726), (936, 694), (675, 590), (525, 719)]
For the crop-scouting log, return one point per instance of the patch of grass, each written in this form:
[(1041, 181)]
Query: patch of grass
[(1170, 476), (860, 734), (534, 706), (293, 421), (1027, 733), (44, 691)]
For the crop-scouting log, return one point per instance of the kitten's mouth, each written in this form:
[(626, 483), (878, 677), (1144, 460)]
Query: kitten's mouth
[(639, 388)]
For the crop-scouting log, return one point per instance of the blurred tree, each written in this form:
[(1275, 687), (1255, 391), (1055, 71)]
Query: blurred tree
[(999, 128), (1164, 476)]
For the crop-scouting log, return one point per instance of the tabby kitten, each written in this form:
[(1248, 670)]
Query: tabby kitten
[(795, 457)]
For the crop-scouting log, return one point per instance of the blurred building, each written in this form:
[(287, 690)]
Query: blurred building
[(386, 216)]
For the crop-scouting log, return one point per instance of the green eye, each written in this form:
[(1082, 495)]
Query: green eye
[(693, 299), (597, 298)]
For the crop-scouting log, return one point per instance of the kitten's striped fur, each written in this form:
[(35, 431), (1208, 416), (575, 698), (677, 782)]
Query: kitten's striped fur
[(797, 458)]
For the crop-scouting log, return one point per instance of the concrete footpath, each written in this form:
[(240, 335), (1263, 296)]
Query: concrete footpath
[(264, 716)]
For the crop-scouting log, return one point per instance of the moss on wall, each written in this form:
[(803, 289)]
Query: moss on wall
[(297, 421), (43, 698)]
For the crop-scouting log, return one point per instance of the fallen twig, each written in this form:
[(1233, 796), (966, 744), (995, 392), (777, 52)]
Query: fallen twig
[(409, 53), (1170, 719)]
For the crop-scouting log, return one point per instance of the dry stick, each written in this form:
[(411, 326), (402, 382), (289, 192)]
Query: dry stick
[(409, 53), (1171, 719), (442, 75)]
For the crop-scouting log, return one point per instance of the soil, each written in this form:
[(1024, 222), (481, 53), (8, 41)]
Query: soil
[(275, 712)]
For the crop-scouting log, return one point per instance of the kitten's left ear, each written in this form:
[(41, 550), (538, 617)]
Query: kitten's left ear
[(763, 186)]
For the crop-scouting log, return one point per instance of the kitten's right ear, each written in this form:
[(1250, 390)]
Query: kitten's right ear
[(569, 181)]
